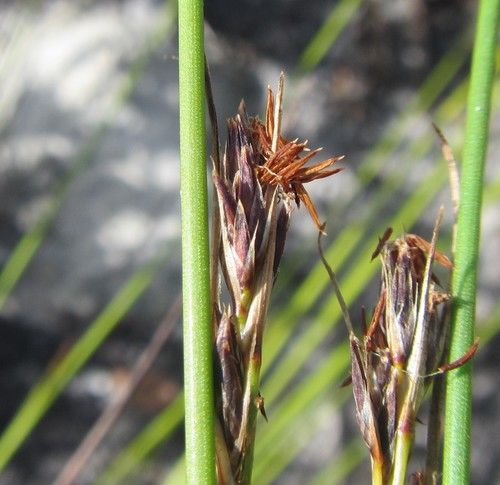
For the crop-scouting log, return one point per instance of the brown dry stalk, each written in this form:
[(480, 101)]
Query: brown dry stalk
[(259, 177)]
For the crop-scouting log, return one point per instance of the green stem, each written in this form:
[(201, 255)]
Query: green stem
[(198, 378), (404, 440), (456, 462)]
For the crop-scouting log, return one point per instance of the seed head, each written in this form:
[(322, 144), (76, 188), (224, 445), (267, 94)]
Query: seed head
[(402, 346), (261, 173)]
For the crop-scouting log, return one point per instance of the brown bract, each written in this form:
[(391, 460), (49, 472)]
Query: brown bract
[(285, 164)]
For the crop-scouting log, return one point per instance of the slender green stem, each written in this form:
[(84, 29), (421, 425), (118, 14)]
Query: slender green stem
[(456, 462), (404, 440), (198, 378)]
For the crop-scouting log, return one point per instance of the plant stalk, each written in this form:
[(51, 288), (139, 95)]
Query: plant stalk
[(404, 441), (198, 376), (456, 459)]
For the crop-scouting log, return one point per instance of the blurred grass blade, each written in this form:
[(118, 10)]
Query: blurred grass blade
[(332, 369), (293, 438), (490, 327), (341, 14), (114, 408), (402, 125), (177, 473), (154, 434), (340, 468), (46, 391)]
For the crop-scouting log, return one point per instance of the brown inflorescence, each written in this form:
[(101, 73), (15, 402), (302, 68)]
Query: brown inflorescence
[(401, 349), (403, 344), (261, 176)]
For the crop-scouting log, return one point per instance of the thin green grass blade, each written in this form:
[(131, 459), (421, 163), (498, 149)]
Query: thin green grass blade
[(27, 247), (423, 99), (46, 391), (176, 475), (341, 14), (489, 328), (339, 469), (332, 369), (155, 433), (293, 438), (492, 193)]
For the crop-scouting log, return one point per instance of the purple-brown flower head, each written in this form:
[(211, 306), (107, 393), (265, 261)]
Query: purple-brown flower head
[(247, 212), (401, 347), (261, 172), (259, 178), (404, 278)]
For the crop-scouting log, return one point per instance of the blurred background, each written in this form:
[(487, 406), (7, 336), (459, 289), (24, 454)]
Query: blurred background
[(90, 224)]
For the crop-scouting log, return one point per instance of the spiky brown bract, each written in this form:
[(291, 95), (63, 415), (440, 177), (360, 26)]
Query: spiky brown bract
[(286, 164), (261, 174)]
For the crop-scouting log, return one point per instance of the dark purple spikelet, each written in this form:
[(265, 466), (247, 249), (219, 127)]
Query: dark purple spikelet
[(253, 173), (230, 377), (243, 210), (401, 349)]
